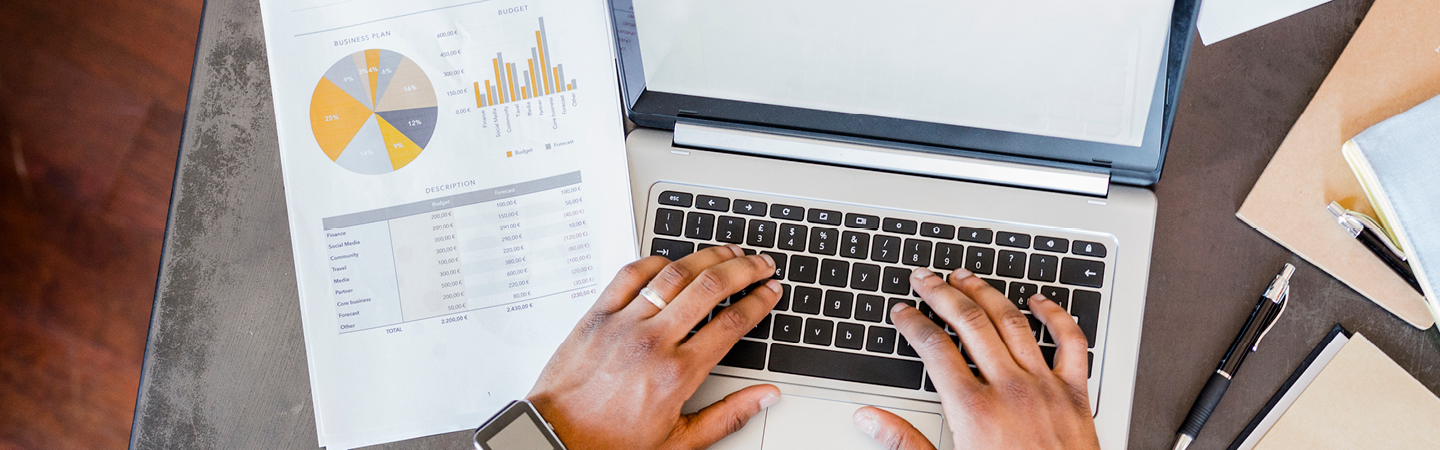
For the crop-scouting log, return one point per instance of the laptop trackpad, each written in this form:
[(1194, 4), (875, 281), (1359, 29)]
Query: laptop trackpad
[(809, 423)]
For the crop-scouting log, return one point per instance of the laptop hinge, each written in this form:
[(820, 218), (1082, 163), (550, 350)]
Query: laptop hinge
[(891, 160)]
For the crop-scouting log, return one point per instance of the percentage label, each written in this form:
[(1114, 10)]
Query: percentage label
[(399, 146), (332, 117), (348, 79), (415, 123), (411, 88)]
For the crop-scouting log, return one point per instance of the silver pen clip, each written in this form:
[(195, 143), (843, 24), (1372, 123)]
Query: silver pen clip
[(1356, 223), (1279, 292)]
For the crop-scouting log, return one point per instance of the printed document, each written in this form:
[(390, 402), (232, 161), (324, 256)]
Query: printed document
[(458, 196)]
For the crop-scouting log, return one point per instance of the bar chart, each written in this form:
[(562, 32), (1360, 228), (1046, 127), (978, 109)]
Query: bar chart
[(536, 77)]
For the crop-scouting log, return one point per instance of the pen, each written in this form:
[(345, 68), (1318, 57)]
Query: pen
[(1266, 312), (1374, 238)]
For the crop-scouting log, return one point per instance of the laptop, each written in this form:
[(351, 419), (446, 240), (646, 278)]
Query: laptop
[(855, 141)]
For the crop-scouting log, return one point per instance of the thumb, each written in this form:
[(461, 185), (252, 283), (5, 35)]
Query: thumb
[(890, 430), (708, 426)]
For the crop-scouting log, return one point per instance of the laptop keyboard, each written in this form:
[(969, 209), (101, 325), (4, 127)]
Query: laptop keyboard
[(842, 267)]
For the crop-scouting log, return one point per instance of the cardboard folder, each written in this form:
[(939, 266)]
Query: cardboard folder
[(1391, 64)]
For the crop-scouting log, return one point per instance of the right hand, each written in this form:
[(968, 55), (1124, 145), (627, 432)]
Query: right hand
[(1017, 401)]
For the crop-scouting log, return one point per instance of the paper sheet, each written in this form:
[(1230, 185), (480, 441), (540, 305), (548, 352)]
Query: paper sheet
[(457, 189), (1222, 19)]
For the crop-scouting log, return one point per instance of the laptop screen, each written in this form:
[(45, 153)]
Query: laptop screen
[(1080, 70)]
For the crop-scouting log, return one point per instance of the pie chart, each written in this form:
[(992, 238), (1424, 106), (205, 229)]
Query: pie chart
[(373, 112)]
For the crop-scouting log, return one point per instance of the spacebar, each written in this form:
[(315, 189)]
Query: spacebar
[(846, 366)]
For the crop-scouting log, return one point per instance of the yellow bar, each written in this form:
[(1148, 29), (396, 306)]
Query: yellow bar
[(533, 81), (568, 87), (509, 72), (546, 73), (488, 93), (499, 80), (479, 103), (558, 87)]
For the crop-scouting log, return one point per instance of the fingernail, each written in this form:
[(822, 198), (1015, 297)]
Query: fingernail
[(921, 273), (866, 422), (735, 249), (773, 285), (768, 260), (1038, 298), (898, 307), (960, 274), (768, 400)]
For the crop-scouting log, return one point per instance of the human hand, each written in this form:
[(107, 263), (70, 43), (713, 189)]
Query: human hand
[(619, 380), (1017, 401)]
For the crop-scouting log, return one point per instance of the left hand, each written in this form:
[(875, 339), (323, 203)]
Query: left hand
[(620, 378)]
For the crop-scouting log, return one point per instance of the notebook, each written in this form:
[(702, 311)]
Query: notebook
[(1389, 66), (1396, 162), (1346, 394)]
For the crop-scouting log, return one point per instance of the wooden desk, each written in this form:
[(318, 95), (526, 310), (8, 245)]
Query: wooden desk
[(225, 365)]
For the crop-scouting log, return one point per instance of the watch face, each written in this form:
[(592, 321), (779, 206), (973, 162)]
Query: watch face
[(517, 427)]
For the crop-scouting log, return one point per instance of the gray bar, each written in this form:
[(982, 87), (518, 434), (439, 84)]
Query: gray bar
[(574, 85), (500, 84), (561, 81), (549, 57), (537, 78), (452, 201), (525, 74)]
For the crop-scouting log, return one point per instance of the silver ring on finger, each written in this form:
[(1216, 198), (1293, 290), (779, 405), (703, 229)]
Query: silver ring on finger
[(653, 297)]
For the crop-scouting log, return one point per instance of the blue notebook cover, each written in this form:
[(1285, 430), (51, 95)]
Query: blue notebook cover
[(1403, 182)]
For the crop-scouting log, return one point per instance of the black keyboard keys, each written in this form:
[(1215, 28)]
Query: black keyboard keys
[(674, 198), (712, 203), (1011, 264), (1084, 248), (839, 303), (916, 253), (869, 308), (1082, 272), (859, 368), (784, 303), (762, 233), (824, 241), (1059, 295), (865, 277), (850, 335), (999, 285), (834, 272), (819, 331), (900, 226), (792, 237), (862, 221), (746, 354), (1043, 267), (1085, 306), (1052, 244), (891, 306), (949, 256), (787, 328), (700, 226), (787, 212), (806, 300), (749, 208), (669, 222), (880, 340), (896, 280), (885, 249), (761, 330), (980, 260), (804, 269), (730, 229), (824, 216), (1016, 240), (854, 245), (976, 235), (671, 249), (1020, 294), (780, 266), (936, 230)]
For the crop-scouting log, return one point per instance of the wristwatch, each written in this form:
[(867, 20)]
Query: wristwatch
[(518, 426)]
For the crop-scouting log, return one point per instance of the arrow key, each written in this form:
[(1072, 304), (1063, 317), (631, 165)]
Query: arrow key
[(1082, 272)]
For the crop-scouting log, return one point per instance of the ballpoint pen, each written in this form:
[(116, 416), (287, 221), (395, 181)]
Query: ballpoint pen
[(1374, 238), (1262, 318)]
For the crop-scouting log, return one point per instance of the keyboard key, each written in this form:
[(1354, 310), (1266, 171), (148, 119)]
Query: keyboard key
[(779, 264), (762, 233), (1016, 240), (803, 269), (901, 226), (806, 300), (669, 222), (999, 285), (1043, 267), (834, 272), (865, 277), (792, 237), (854, 245), (1085, 306), (869, 308), (761, 330), (1052, 244), (976, 235), (1035, 326), (930, 314), (880, 340), (671, 249), (980, 260), (1059, 295), (749, 208), (916, 253), (896, 280), (824, 240), (819, 331), (824, 216), (784, 303), (787, 212), (730, 229), (700, 226), (885, 249), (787, 328), (937, 230), (1082, 272), (820, 363), (713, 203), (905, 349), (1012, 264), (839, 303), (674, 198), (891, 306), (1084, 248), (863, 221), (850, 335), (949, 256), (1020, 294), (746, 354)]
